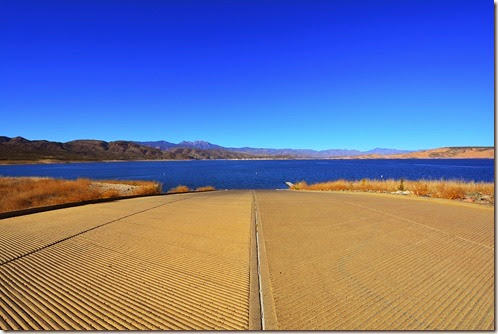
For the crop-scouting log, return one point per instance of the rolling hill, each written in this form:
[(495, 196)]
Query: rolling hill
[(484, 152), (21, 149)]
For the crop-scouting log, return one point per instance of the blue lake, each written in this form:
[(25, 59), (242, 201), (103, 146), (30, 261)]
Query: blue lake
[(262, 174)]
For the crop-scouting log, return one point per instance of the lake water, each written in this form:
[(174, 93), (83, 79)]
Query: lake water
[(262, 174)]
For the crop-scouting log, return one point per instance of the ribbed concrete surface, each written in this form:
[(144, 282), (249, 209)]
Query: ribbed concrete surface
[(372, 262), (175, 262), (327, 261)]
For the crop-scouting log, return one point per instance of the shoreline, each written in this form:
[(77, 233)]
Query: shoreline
[(54, 162), (21, 193), (29, 193), (413, 197), (455, 190)]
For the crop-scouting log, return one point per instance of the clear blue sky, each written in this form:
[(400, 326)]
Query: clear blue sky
[(300, 74)]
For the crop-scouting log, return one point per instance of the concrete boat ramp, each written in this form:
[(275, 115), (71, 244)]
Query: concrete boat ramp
[(251, 260)]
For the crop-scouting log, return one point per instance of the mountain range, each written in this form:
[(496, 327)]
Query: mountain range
[(273, 152), (19, 149)]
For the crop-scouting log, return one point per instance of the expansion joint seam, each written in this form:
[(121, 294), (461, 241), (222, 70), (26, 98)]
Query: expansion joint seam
[(260, 287), (80, 233)]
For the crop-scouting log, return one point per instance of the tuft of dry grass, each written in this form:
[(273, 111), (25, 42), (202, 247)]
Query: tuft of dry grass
[(449, 189), (206, 188), (28, 192), (184, 189), (302, 185), (179, 189), (420, 188)]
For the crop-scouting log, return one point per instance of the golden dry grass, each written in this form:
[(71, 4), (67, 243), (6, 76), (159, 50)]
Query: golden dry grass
[(179, 189), (139, 183), (139, 187), (450, 189), (206, 188), (184, 189), (25, 192)]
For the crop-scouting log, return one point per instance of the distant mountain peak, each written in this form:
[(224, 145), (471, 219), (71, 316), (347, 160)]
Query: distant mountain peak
[(386, 151), (19, 139), (298, 153), (204, 145), (159, 144), (196, 142), (12, 149)]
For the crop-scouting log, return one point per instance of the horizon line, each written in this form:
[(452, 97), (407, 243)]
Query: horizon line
[(256, 147)]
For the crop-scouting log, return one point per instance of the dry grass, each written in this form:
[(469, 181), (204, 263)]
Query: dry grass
[(206, 188), (452, 189), (179, 189), (138, 183), (23, 193), (184, 189), (137, 187)]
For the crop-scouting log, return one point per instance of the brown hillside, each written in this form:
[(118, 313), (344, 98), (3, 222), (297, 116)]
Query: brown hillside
[(443, 152), (23, 150)]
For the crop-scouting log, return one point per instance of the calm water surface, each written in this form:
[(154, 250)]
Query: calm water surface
[(262, 174)]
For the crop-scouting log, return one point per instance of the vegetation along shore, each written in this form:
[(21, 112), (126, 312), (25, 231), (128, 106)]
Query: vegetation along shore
[(17, 193), (474, 192)]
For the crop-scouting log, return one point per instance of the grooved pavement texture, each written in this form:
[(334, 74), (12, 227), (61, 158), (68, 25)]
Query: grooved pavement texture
[(173, 262), (369, 261)]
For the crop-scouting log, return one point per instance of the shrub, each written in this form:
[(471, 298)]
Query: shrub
[(363, 184), (401, 185)]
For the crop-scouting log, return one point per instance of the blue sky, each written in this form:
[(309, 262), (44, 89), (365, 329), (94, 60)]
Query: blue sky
[(301, 74)]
